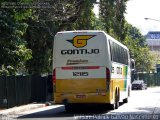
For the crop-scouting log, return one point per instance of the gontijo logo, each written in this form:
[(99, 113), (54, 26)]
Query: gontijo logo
[(80, 41)]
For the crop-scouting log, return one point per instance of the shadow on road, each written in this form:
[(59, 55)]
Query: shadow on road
[(152, 110), (60, 112)]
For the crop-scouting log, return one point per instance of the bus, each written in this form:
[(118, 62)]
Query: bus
[(90, 67)]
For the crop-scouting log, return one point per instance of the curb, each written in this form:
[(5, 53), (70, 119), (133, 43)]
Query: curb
[(19, 109)]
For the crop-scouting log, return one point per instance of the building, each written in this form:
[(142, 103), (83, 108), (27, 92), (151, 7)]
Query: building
[(153, 40)]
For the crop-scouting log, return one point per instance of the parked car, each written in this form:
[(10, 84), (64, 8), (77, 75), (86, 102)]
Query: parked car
[(139, 85)]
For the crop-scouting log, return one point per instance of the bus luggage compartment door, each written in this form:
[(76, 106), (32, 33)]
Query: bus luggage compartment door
[(80, 79)]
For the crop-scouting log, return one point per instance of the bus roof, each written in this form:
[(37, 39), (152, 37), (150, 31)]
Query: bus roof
[(95, 31)]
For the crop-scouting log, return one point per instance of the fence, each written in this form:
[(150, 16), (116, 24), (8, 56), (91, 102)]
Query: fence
[(19, 90), (152, 79)]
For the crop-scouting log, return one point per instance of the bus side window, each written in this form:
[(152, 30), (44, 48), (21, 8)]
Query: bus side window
[(118, 53), (115, 52)]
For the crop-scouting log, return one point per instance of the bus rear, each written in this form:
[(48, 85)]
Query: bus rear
[(81, 67)]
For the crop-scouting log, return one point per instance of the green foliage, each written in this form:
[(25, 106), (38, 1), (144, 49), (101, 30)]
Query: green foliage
[(27, 34), (98, 24), (86, 20), (138, 50), (12, 44), (41, 31), (113, 21), (112, 14), (40, 40)]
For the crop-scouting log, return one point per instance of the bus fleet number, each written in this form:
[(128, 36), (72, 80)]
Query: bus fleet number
[(80, 73)]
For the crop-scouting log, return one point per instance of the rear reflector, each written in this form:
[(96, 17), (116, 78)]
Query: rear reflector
[(80, 67), (54, 76)]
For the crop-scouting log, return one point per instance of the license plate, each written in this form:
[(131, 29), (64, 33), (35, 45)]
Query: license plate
[(81, 96)]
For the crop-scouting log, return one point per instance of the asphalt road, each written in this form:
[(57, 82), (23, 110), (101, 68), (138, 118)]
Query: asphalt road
[(143, 104)]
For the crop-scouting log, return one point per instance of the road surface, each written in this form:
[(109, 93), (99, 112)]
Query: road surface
[(143, 104)]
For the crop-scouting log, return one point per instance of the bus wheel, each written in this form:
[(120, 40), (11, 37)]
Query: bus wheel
[(116, 104), (125, 100), (69, 107), (129, 92), (116, 100), (112, 106)]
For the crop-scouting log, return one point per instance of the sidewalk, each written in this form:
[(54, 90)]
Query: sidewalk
[(157, 108), (17, 110)]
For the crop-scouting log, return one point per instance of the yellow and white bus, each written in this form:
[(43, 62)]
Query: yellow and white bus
[(90, 67)]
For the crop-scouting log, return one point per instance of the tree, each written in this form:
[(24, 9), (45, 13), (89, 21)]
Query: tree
[(39, 37), (27, 33), (135, 41), (86, 19), (13, 50), (43, 25), (112, 14), (41, 20)]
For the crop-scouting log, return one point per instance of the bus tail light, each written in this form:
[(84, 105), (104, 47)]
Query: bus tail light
[(54, 79), (54, 76), (107, 74), (108, 77)]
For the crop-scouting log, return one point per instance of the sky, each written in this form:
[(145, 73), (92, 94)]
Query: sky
[(137, 10)]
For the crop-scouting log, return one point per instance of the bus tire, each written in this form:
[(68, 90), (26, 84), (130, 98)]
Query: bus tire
[(115, 105), (111, 106), (116, 100), (69, 108), (125, 100), (129, 92)]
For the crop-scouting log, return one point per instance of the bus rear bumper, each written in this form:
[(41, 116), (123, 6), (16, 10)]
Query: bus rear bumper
[(66, 98)]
